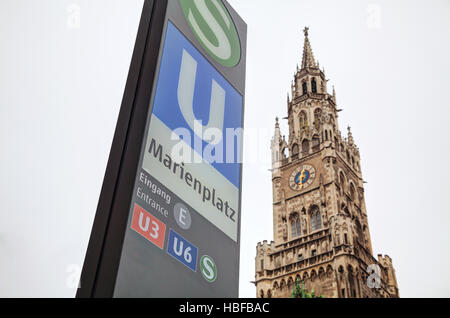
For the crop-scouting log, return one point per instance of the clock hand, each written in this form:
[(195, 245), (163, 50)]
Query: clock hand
[(302, 176)]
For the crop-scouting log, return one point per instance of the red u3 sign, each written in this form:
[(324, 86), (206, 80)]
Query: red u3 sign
[(148, 226)]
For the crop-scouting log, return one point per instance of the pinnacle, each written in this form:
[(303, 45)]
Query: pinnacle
[(308, 56)]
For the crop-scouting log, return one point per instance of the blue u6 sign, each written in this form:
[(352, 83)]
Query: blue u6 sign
[(182, 250), (194, 140)]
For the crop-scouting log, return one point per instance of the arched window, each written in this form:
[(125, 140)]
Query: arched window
[(282, 284), (316, 220), (290, 283), (305, 276), (314, 86), (317, 115), (313, 273), (351, 280), (321, 273), (296, 227), (295, 150), (337, 238), (352, 192), (359, 231), (342, 180), (284, 153), (303, 121), (305, 147), (326, 134), (305, 88), (315, 143)]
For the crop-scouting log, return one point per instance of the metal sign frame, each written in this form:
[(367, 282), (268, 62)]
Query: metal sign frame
[(105, 247)]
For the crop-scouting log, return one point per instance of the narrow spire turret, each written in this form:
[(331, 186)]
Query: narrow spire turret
[(351, 142), (308, 56)]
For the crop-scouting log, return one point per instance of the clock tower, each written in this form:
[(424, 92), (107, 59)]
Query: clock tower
[(320, 225)]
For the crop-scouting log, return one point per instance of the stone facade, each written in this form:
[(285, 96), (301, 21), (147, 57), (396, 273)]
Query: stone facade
[(320, 226)]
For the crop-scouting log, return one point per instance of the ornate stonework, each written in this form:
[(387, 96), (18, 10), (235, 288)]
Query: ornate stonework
[(321, 231)]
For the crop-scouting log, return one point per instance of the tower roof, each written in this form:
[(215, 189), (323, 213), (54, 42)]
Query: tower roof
[(308, 56)]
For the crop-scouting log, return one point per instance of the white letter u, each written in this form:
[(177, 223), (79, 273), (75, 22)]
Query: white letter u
[(147, 222), (186, 87), (177, 249)]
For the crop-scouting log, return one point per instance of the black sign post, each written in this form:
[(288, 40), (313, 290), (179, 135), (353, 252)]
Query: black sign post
[(168, 221)]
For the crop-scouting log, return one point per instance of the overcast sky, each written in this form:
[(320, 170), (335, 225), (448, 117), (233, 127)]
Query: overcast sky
[(61, 85)]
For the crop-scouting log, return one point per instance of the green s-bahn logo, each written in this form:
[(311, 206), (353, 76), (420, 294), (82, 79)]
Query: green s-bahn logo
[(214, 28)]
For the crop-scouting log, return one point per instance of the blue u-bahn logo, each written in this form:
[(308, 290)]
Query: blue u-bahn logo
[(192, 95)]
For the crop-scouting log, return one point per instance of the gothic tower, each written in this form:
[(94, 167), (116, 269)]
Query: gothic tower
[(320, 226)]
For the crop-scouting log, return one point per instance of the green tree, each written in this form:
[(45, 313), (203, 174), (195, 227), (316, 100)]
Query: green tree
[(301, 292)]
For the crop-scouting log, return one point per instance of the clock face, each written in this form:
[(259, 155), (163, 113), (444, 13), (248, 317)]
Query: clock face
[(302, 177)]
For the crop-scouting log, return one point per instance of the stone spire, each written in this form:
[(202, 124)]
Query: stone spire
[(277, 136), (275, 147), (308, 57), (351, 141)]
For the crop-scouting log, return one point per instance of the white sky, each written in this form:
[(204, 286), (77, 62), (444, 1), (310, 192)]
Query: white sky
[(61, 89)]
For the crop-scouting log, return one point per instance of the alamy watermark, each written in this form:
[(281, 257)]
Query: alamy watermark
[(374, 16), (73, 276), (73, 20), (374, 279), (221, 147)]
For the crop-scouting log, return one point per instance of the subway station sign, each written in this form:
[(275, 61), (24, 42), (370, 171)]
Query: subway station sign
[(168, 220)]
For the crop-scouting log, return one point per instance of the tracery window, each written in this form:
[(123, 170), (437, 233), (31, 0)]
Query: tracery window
[(296, 227), (305, 147), (316, 143), (352, 192), (303, 121), (295, 150), (317, 115), (314, 86), (316, 220), (342, 181)]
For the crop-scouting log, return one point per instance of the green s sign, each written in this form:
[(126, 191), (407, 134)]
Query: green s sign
[(214, 28)]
